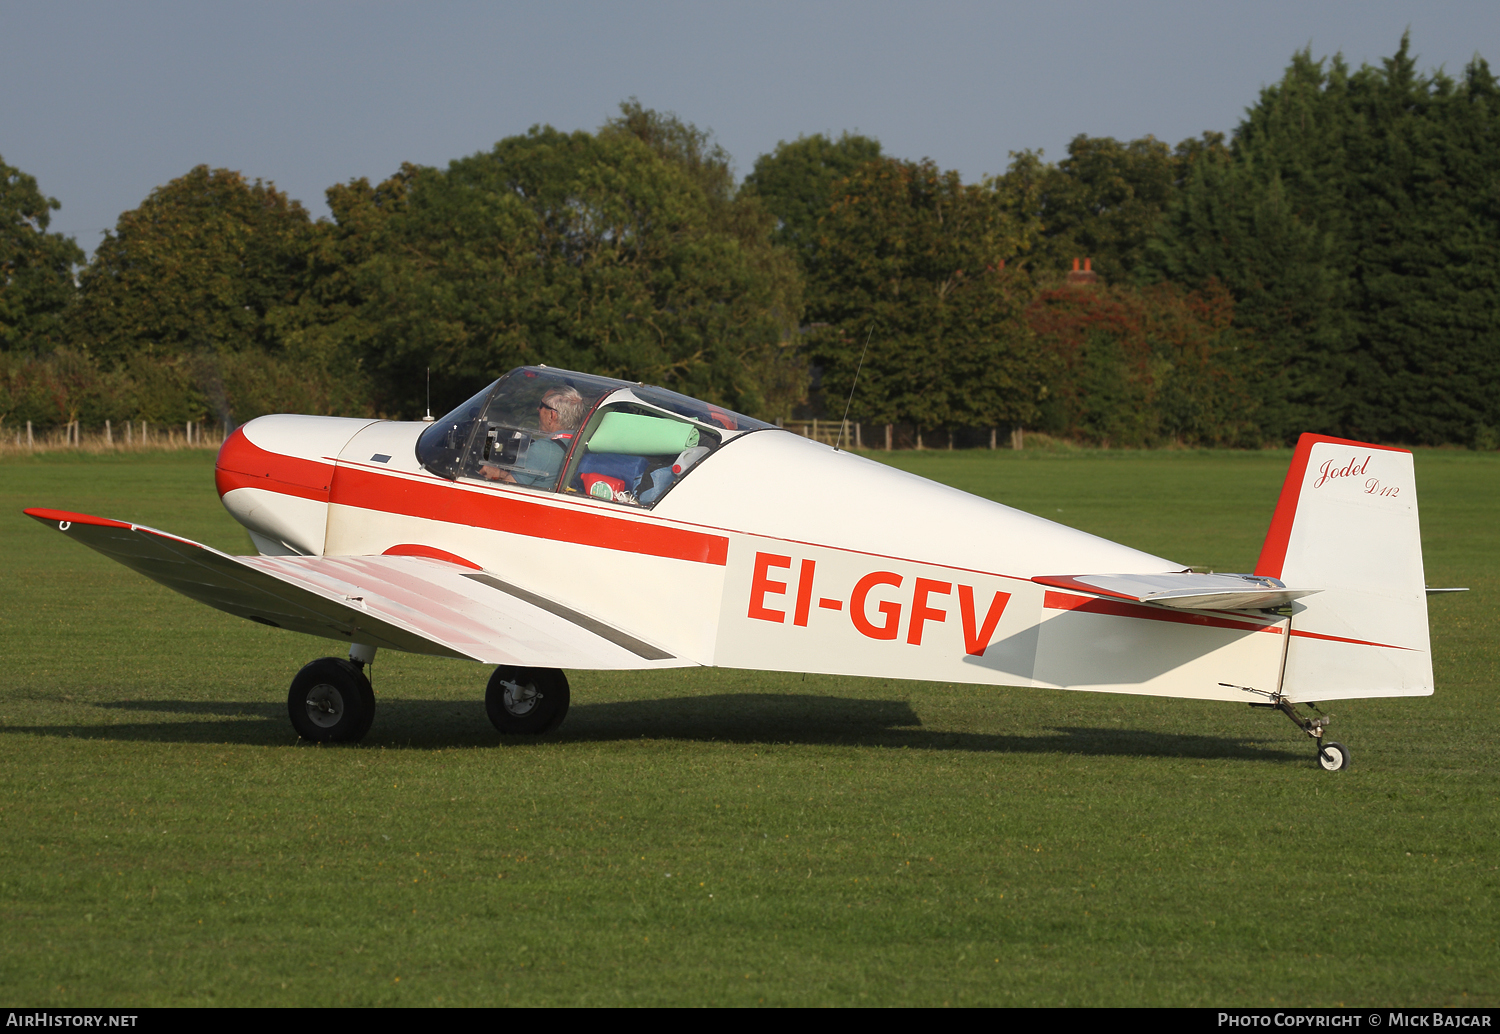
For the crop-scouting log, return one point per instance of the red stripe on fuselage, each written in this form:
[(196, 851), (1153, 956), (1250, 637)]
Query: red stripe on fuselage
[(501, 511)]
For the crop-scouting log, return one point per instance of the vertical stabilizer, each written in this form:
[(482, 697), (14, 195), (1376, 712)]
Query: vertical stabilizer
[(1346, 522)]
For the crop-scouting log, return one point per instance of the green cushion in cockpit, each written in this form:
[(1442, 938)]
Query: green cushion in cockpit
[(638, 435)]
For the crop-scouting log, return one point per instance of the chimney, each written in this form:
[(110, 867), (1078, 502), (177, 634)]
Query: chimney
[(1086, 275)]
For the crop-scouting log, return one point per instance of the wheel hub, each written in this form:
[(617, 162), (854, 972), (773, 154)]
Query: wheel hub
[(325, 706), (520, 700)]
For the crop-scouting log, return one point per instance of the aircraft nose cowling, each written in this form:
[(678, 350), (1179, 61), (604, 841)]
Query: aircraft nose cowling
[(293, 455), (274, 474)]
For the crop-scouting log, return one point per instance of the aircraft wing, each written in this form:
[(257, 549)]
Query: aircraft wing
[(1184, 590), (411, 603)]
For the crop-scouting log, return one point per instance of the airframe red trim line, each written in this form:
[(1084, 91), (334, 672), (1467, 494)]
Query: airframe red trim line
[(1298, 633), (356, 485), (242, 464), (501, 511), (1273, 552)]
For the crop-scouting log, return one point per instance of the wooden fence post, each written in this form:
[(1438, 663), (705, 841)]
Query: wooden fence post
[(888, 436), (30, 442), (109, 434)]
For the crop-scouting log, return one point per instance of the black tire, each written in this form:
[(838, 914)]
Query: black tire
[(331, 701), (526, 700), (1334, 757)]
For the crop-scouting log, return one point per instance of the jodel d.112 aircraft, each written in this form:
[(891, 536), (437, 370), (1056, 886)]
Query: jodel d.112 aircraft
[(560, 520)]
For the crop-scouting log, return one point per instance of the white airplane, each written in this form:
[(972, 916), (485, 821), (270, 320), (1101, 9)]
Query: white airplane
[(562, 520)]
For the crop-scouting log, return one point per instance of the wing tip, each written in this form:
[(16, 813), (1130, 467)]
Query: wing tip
[(47, 516)]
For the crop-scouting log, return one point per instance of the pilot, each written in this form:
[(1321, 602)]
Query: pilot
[(559, 415)]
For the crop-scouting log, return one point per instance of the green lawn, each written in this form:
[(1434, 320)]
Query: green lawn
[(731, 838)]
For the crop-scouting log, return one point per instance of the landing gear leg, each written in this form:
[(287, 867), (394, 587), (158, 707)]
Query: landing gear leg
[(1334, 757), (360, 655)]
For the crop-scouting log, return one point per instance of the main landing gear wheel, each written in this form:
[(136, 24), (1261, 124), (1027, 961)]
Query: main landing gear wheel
[(331, 701), (526, 700), (1334, 757)]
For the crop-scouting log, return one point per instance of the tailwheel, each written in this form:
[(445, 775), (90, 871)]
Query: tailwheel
[(1334, 757), (331, 701), (526, 700)]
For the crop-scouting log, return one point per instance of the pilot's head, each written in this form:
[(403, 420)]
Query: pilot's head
[(561, 409)]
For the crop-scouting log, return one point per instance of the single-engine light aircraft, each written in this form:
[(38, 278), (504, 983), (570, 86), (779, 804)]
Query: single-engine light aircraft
[(562, 520)]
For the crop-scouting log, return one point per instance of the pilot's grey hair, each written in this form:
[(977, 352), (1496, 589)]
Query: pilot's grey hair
[(570, 406)]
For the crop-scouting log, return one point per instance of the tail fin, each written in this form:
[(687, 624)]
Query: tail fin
[(1346, 522)]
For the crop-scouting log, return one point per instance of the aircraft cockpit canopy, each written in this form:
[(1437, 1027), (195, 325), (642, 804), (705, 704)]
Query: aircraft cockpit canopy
[(558, 431)]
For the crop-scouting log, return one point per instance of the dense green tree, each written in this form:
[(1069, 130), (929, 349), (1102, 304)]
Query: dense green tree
[(200, 265), (1105, 199), (325, 337), (36, 267), (692, 150), (1136, 367), (913, 260), (601, 252), (1424, 263), (738, 213), (210, 283), (1354, 221), (798, 181), (1236, 228)]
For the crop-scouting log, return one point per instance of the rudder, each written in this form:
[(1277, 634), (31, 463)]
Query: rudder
[(1346, 522)]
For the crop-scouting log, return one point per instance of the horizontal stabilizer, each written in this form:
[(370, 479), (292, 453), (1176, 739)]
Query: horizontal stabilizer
[(1185, 590), (411, 603)]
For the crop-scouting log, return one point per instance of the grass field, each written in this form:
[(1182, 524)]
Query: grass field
[(729, 838)]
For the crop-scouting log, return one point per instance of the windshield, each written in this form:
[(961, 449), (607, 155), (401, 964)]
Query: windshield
[(516, 430), (619, 442)]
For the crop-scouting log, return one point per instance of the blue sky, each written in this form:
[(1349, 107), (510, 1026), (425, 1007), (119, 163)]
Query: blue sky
[(105, 101)]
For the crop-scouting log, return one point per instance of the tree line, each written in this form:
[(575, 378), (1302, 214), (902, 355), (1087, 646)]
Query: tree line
[(1332, 265)]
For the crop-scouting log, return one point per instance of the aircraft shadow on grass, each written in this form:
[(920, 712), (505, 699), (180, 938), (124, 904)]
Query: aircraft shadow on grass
[(746, 718)]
